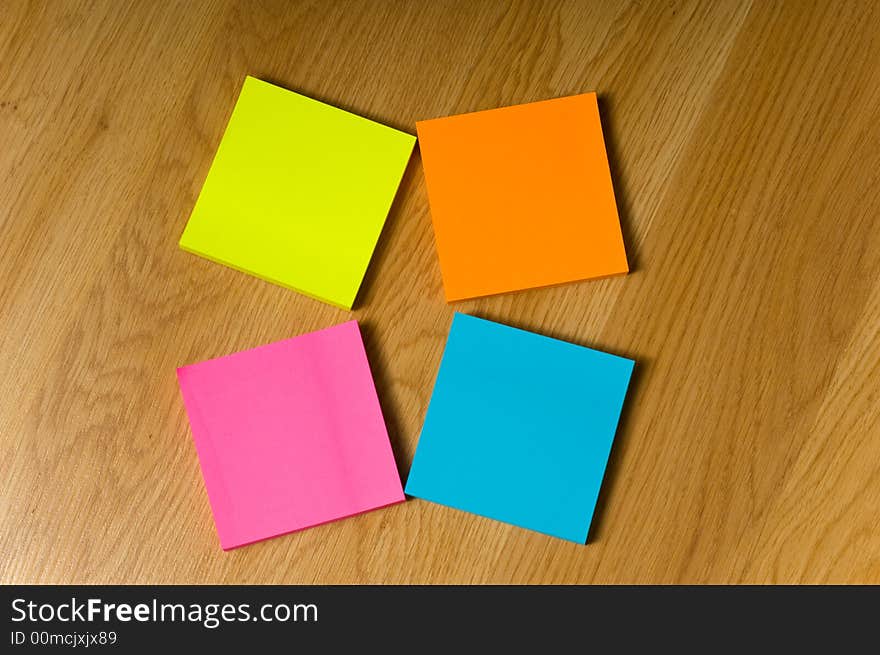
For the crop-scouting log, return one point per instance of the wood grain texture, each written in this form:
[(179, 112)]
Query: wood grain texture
[(745, 147)]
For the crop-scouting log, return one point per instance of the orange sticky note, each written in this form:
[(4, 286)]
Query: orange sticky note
[(521, 197)]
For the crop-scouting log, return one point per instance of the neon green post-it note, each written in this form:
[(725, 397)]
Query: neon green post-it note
[(298, 192)]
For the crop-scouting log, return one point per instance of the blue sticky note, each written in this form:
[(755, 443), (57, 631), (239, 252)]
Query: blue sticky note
[(519, 427)]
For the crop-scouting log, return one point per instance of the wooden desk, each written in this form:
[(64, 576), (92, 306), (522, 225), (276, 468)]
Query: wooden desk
[(744, 141)]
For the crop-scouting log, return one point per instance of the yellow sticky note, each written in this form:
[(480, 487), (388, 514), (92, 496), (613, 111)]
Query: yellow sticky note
[(298, 192)]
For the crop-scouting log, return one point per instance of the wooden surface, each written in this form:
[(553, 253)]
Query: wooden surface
[(745, 148)]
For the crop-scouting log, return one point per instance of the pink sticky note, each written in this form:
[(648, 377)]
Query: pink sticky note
[(290, 435)]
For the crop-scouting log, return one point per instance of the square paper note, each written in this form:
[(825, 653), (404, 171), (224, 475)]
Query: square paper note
[(298, 193), (289, 435), (519, 428), (521, 197)]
